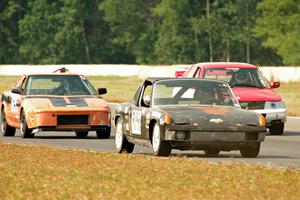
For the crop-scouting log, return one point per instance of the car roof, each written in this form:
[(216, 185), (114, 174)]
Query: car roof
[(56, 74), (225, 65)]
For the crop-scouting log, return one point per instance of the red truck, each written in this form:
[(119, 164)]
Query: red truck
[(250, 87)]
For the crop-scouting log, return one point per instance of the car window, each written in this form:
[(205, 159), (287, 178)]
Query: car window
[(192, 92), (56, 85), (146, 94)]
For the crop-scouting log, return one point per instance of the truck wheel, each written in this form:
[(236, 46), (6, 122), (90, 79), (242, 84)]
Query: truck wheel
[(81, 134), (212, 152), (160, 147), (121, 142), (276, 129), (25, 131), (103, 134), (250, 151), (6, 129)]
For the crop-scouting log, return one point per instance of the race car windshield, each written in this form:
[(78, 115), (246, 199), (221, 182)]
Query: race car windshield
[(192, 92), (238, 77), (57, 85)]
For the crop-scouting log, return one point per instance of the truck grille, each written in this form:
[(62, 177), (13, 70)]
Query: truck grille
[(254, 105), (72, 119)]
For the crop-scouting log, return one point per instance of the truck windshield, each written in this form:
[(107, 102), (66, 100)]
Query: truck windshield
[(238, 77)]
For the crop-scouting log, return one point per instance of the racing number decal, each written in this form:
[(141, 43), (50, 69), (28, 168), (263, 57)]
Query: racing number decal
[(13, 104), (136, 122)]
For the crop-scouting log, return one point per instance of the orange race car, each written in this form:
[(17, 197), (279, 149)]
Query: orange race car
[(54, 102)]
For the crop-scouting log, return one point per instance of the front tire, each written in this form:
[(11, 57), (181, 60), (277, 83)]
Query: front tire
[(250, 151), (6, 129), (81, 134), (276, 129), (25, 131), (160, 147), (121, 142)]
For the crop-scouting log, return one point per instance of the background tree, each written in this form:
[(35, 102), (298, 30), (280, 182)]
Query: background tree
[(279, 26), (11, 11)]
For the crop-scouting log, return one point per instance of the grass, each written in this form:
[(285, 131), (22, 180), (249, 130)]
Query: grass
[(36, 172), (122, 89), (291, 94)]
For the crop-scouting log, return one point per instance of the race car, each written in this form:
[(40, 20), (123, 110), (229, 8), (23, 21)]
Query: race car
[(187, 114), (54, 102), (250, 87)]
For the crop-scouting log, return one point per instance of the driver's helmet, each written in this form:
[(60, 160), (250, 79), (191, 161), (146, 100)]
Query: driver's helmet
[(241, 76)]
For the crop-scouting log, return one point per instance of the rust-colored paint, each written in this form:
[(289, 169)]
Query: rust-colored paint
[(40, 111), (213, 110)]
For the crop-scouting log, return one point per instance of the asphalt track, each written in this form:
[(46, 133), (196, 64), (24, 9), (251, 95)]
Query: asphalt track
[(283, 151)]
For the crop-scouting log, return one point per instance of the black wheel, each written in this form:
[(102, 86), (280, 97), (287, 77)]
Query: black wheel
[(212, 152), (103, 134), (25, 131), (250, 151), (81, 134), (121, 142), (6, 129), (160, 147), (276, 129)]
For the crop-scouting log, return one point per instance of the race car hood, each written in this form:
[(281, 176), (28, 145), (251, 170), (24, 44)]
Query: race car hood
[(39, 103), (214, 118), (255, 94)]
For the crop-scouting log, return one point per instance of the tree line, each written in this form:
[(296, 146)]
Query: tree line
[(264, 32)]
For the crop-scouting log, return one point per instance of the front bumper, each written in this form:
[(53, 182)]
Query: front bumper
[(215, 136), (71, 128), (199, 140), (272, 115), (51, 118)]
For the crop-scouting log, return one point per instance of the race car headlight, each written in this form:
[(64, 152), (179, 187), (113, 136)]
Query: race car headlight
[(274, 104), (262, 120)]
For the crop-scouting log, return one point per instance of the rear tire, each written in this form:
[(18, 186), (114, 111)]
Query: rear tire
[(250, 151), (25, 131), (276, 129), (6, 129), (103, 134), (121, 142), (212, 152), (160, 147), (81, 134)]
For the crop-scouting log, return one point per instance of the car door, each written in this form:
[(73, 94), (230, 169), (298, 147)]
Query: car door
[(14, 103), (139, 113)]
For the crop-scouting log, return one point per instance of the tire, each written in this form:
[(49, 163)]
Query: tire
[(160, 147), (276, 129), (250, 151), (121, 142), (7, 130), (103, 134), (81, 134), (212, 152), (25, 131)]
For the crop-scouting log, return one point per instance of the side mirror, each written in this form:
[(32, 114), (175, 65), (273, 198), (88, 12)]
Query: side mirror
[(102, 91), (147, 100), (17, 90), (275, 84)]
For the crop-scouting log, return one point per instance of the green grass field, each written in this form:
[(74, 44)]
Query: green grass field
[(122, 89), (35, 172)]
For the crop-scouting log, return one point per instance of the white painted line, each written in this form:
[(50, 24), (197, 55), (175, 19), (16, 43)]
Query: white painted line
[(293, 117)]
